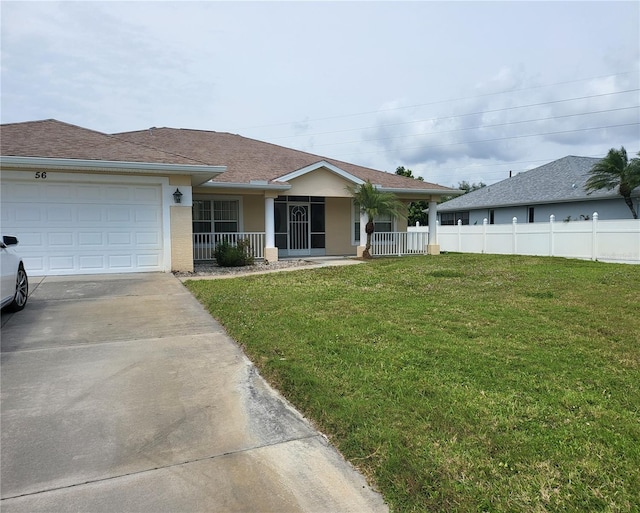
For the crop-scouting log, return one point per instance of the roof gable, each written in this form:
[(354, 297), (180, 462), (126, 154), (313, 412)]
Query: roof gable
[(320, 165)]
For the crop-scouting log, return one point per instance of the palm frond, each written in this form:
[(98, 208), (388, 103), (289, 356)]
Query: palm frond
[(608, 172), (374, 202), (615, 171)]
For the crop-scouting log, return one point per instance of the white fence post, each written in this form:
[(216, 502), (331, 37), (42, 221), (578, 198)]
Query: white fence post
[(514, 244), (484, 235), (459, 235), (552, 220), (594, 236)]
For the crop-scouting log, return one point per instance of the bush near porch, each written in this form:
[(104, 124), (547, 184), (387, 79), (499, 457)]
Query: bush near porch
[(459, 382)]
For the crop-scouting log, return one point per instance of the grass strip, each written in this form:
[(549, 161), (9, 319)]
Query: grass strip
[(459, 382)]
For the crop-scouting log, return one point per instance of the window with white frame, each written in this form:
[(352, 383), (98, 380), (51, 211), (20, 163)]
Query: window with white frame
[(385, 223), (216, 216)]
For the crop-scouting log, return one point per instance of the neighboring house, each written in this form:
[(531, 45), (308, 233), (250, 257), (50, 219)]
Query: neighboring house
[(84, 202), (555, 189)]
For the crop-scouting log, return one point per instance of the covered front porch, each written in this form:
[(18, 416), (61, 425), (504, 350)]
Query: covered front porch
[(382, 244), (307, 213)]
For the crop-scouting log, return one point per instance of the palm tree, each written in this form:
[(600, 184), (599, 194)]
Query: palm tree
[(373, 202), (615, 170)]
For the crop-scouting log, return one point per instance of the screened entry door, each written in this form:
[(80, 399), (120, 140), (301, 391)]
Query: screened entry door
[(299, 232)]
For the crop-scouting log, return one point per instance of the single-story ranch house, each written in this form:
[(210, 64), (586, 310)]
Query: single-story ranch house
[(84, 202), (556, 188)]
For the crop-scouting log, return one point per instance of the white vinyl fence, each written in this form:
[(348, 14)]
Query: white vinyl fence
[(614, 240), (204, 244)]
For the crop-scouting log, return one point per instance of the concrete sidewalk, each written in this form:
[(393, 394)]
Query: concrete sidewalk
[(121, 393)]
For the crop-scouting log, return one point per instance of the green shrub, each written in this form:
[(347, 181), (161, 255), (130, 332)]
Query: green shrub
[(229, 255)]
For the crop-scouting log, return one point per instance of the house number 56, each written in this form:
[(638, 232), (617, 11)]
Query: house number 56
[(41, 175)]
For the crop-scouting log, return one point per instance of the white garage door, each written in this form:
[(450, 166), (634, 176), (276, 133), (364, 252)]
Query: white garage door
[(84, 228)]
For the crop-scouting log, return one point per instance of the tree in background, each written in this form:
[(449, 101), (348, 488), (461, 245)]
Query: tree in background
[(615, 170), (466, 187), (373, 202), (470, 187), (400, 170), (416, 211)]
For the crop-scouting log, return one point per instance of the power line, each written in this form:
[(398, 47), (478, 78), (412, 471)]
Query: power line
[(474, 166), (437, 102), (492, 140), (436, 174), (539, 104), (481, 126), (435, 171)]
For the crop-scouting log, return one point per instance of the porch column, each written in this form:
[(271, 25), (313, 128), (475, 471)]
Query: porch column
[(433, 248), (363, 234), (270, 250)]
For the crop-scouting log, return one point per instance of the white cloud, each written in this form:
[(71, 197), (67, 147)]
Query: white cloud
[(377, 83)]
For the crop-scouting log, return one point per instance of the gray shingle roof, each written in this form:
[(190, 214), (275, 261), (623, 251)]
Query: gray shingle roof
[(559, 181)]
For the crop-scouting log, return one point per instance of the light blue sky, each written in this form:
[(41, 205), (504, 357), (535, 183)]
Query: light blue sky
[(453, 90)]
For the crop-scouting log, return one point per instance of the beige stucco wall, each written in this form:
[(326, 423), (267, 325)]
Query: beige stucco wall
[(180, 180), (253, 213), (320, 182), (181, 238), (181, 229), (338, 227), (401, 222)]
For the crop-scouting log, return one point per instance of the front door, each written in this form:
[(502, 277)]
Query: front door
[(299, 232)]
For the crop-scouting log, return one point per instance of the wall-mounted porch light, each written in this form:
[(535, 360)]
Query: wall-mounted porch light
[(177, 196)]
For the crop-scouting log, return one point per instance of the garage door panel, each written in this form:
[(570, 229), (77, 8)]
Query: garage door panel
[(147, 261), (57, 239), (119, 215), (91, 239), (33, 264), (120, 261), (146, 214), (61, 263), (118, 194), (60, 214), (146, 195), (24, 191), (24, 214), (29, 241), (147, 239), (85, 228), (90, 214), (59, 193), (91, 262), (119, 239), (90, 193)]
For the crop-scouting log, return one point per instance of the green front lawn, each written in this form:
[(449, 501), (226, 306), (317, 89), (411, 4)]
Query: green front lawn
[(459, 382)]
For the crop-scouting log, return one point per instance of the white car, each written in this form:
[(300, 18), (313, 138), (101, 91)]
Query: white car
[(14, 286)]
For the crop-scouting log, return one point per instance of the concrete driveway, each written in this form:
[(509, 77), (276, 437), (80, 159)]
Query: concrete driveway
[(120, 393)]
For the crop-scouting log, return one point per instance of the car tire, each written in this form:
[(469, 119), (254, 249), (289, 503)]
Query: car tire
[(22, 291)]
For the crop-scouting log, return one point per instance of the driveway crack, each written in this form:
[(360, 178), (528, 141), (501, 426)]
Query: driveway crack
[(172, 465)]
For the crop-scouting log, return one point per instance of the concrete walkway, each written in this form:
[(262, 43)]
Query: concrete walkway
[(120, 393)]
